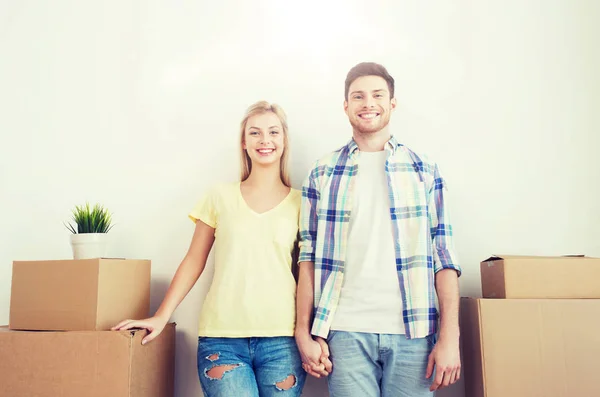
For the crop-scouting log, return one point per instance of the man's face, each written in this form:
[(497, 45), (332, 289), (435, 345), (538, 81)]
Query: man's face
[(369, 105)]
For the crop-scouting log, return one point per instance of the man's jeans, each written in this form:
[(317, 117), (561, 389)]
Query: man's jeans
[(379, 365)]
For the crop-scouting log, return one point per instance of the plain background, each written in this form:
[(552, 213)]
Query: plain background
[(136, 105)]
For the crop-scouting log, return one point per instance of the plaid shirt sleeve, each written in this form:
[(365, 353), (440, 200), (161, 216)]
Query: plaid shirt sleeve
[(308, 219), (444, 255)]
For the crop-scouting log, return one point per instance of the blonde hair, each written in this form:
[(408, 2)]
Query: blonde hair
[(258, 108)]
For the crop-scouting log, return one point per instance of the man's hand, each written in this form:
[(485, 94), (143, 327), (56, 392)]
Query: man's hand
[(315, 355), (325, 354), (445, 356)]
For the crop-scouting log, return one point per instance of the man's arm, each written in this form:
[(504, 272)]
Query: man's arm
[(446, 285), (446, 353)]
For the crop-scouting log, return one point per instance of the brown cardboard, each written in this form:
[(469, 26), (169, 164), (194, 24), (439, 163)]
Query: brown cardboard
[(78, 295), (532, 277), (530, 347), (86, 363)]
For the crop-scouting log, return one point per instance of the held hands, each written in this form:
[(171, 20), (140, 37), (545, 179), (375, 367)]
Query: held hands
[(445, 356), (154, 325), (315, 355)]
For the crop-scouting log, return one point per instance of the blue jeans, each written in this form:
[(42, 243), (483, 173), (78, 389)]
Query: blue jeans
[(379, 365), (250, 367)]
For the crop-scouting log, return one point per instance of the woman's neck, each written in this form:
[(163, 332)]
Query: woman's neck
[(264, 178)]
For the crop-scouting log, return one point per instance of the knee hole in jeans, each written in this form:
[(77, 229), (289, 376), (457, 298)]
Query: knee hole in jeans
[(287, 383)]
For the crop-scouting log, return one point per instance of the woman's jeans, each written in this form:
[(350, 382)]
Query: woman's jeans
[(250, 367)]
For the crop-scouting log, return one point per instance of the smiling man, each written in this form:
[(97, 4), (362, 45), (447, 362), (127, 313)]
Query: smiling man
[(376, 254)]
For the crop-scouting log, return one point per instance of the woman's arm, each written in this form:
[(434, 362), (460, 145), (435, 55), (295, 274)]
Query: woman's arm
[(188, 272)]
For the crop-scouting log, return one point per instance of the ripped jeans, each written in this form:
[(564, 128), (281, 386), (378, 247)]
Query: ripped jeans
[(250, 367)]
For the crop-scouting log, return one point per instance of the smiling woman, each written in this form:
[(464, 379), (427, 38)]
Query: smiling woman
[(244, 348), (264, 139)]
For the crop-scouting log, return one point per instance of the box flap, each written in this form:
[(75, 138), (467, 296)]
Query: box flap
[(108, 258), (498, 257), (492, 258), (532, 257)]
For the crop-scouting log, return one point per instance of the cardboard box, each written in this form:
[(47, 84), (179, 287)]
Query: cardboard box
[(533, 277), (86, 363), (530, 348), (78, 295)]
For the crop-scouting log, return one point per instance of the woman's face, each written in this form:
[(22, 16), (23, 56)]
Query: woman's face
[(263, 139)]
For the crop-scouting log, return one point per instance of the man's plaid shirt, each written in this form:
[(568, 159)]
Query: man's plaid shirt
[(420, 224)]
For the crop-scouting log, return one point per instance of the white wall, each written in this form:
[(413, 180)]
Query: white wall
[(136, 105)]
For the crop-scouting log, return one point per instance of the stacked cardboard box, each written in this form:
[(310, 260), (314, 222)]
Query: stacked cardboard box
[(535, 331), (59, 343)]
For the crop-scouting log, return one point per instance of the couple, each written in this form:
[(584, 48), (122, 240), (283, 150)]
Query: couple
[(375, 256)]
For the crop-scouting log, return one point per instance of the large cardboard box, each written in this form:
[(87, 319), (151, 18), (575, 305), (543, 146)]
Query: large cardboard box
[(86, 363), (78, 295), (530, 348), (532, 277)]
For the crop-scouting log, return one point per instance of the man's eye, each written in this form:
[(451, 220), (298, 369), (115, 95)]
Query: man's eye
[(274, 132), (357, 96)]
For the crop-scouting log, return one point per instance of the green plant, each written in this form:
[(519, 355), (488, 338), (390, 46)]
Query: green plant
[(90, 220)]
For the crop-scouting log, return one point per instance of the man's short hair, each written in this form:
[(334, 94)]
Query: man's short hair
[(369, 69)]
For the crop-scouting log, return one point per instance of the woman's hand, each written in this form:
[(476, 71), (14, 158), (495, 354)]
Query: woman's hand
[(154, 325)]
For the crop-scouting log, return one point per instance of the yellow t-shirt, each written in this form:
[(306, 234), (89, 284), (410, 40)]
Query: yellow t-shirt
[(253, 292)]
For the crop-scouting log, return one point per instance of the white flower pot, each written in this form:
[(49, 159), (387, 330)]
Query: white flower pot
[(89, 245)]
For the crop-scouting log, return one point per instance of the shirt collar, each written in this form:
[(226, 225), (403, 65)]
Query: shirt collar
[(390, 145)]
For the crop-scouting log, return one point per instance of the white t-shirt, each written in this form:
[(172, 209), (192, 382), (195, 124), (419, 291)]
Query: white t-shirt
[(370, 300)]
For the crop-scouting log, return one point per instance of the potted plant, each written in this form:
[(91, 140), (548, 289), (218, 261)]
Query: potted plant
[(89, 233)]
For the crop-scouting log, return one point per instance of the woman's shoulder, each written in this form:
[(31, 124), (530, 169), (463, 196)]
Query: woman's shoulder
[(295, 194), (295, 197)]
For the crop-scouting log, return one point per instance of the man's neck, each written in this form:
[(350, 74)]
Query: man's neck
[(372, 142)]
